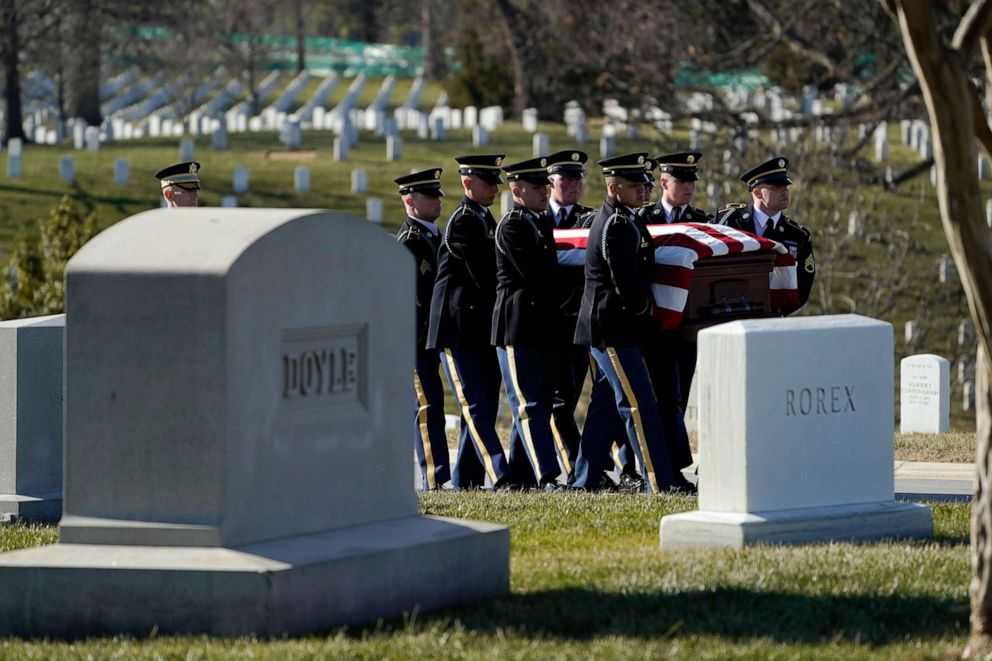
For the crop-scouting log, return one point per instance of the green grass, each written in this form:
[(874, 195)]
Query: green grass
[(588, 581)]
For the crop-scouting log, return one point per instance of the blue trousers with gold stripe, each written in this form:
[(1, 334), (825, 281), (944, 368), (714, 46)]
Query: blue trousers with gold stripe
[(604, 442), (474, 377), (430, 442), (627, 375), (529, 379), (571, 367)]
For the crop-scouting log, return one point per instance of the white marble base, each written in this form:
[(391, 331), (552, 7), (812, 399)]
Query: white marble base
[(289, 586), (43, 508), (861, 522)]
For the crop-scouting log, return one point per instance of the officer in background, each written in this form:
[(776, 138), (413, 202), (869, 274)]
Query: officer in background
[(460, 323), (769, 187), (677, 177), (180, 184), (566, 171), (421, 194), (615, 321), (525, 316)]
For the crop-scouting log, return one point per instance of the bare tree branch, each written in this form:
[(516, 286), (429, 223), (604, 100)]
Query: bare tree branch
[(972, 27)]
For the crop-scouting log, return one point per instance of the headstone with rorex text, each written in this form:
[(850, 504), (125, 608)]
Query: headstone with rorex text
[(924, 394), (795, 452), (253, 476)]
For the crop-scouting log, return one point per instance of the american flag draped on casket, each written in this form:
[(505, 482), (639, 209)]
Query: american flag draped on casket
[(677, 249)]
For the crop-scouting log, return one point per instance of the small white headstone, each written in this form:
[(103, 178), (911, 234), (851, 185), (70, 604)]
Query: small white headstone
[(882, 142), (541, 145), (606, 146), (854, 227), (67, 169), (13, 165), (240, 179), (437, 128), (968, 396), (186, 150), (394, 148), (966, 370), (423, 126), (219, 138), (983, 167), (480, 136), (359, 181), (14, 146), (293, 133), (529, 119), (301, 179), (340, 148), (912, 334), (906, 131), (93, 138), (470, 116), (505, 203), (924, 394), (121, 172), (373, 209), (229, 201), (988, 212), (946, 271), (78, 134), (966, 333)]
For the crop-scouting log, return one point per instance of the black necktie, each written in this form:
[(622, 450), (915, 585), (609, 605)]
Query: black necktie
[(676, 213), (562, 216)]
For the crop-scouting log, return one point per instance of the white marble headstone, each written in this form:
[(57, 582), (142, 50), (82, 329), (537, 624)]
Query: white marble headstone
[(924, 394)]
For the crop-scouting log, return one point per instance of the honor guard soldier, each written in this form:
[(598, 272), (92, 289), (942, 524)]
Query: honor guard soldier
[(460, 326), (566, 171), (180, 184), (677, 176), (525, 317), (615, 321), (421, 193), (769, 187)]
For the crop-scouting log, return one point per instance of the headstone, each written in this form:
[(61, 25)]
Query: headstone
[(219, 138), (79, 134), (906, 131), (229, 201), (14, 146), (966, 370), (31, 419), (423, 126), (93, 138), (359, 181), (13, 165), (186, 150), (806, 457), (394, 148), (373, 209), (882, 142), (912, 334), (121, 172), (947, 273), (966, 333), (606, 146), (983, 167), (505, 203), (480, 136), (240, 179), (988, 212), (301, 179), (293, 133), (340, 148), (529, 119), (254, 478), (968, 396), (470, 116), (924, 394), (541, 145), (695, 139), (67, 169), (437, 128), (854, 226)]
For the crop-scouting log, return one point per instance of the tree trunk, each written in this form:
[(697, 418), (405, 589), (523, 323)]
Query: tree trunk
[(943, 73), (516, 24), (84, 65), (434, 64), (301, 37), (11, 47)]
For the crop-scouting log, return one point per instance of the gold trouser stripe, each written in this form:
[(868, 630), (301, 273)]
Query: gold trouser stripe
[(425, 437), (473, 432), (615, 453), (522, 416), (636, 414), (562, 450)]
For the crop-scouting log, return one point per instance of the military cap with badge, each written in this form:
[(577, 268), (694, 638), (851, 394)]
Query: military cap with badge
[(533, 171), (484, 166), (683, 165), (425, 182), (632, 167), (568, 163), (185, 175), (773, 171)]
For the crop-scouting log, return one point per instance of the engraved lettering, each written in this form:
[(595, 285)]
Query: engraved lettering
[(325, 364), (850, 397), (819, 400), (805, 401), (790, 402), (820, 406)]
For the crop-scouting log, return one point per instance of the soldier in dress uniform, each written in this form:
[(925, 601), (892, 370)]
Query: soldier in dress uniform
[(421, 193), (677, 177), (615, 321), (566, 171), (769, 187), (526, 315), (460, 323), (180, 184)]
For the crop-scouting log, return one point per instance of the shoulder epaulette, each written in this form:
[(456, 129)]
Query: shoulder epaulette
[(584, 219), (515, 212), (793, 223), (701, 212)]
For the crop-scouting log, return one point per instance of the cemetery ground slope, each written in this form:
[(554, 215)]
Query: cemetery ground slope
[(588, 581), (887, 269)]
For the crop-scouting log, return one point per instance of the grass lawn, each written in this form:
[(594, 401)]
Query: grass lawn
[(588, 581)]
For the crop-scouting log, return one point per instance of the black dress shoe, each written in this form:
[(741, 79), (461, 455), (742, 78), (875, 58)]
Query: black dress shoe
[(630, 484), (682, 486)]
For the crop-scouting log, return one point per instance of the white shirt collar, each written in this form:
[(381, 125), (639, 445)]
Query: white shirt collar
[(762, 220), (556, 210), (669, 209), (431, 226)]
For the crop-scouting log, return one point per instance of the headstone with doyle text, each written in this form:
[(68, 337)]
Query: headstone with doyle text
[(234, 463), (800, 451)]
